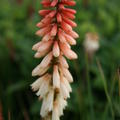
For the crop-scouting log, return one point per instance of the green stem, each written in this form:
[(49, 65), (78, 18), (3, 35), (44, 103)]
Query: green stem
[(105, 89), (89, 89), (111, 94)]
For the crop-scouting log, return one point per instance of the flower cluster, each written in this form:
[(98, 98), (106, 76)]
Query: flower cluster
[(53, 84)]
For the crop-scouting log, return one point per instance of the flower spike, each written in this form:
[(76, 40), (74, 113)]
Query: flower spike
[(56, 30)]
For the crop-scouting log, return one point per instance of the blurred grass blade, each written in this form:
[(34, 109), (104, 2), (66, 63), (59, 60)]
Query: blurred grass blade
[(119, 81), (1, 112), (9, 115), (105, 87)]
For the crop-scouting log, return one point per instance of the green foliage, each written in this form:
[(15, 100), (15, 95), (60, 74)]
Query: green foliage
[(95, 93)]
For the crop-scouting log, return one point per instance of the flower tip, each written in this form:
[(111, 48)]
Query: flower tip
[(34, 48), (36, 55), (76, 57), (32, 87), (77, 36), (33, 73), (37, 33), (38, 25)]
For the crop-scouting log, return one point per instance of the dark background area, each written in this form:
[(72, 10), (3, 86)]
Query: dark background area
[(96, 87)]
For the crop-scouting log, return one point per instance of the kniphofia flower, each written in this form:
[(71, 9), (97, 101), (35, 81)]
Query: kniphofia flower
[(56, 30)]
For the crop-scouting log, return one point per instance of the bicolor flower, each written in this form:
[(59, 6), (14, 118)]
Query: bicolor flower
[(56, 30)]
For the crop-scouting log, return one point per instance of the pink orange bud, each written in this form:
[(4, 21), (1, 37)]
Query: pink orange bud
[(54, 30), (56, 50), (44, 12), (56, 77), (59, 18), (67, 51)]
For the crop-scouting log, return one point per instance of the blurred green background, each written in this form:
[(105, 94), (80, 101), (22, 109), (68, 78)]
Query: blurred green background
[(96, 87)]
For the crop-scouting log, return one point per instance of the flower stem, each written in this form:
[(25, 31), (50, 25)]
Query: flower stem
[(105, 88), (89, 89)]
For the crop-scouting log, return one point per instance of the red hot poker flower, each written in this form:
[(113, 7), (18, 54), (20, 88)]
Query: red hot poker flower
[(56, 30)]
